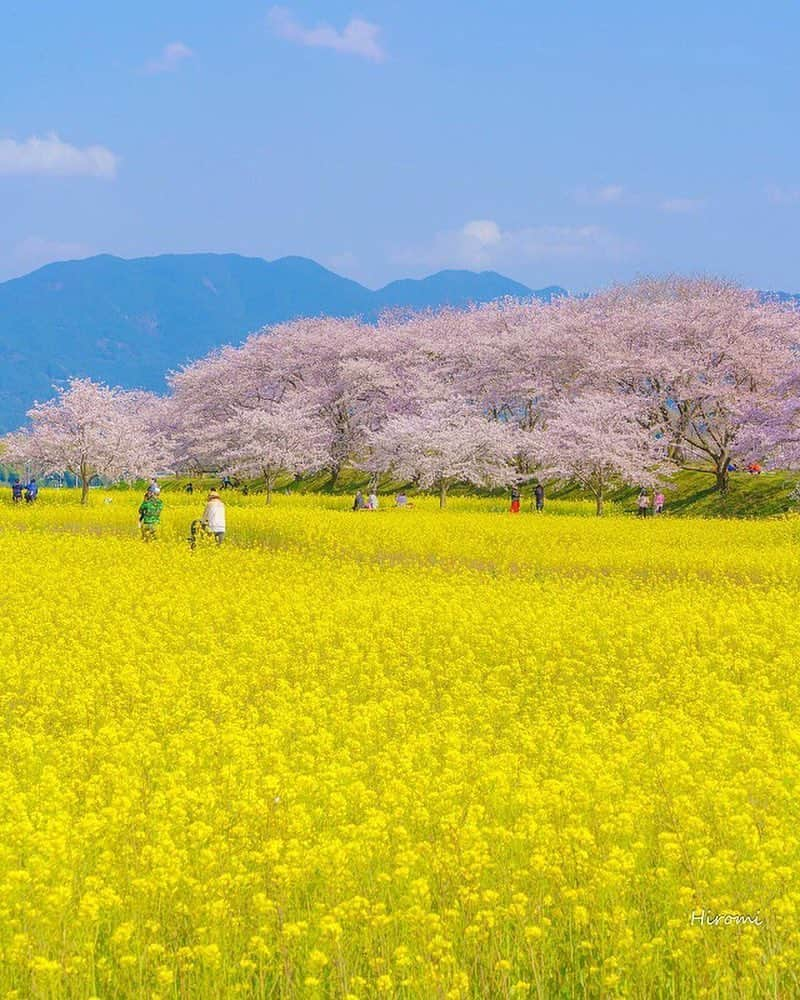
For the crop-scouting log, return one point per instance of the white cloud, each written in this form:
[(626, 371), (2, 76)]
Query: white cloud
[(609, 194), (50, 155), (358, 37), (482, 244), (483, 231), (172, 55), (35, 251), (783, 196), (682, 206)]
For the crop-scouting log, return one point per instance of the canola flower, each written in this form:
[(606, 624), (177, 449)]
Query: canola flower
[(397, 754)]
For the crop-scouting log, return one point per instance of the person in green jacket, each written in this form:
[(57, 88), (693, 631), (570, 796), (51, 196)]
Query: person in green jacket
[(150, 515)]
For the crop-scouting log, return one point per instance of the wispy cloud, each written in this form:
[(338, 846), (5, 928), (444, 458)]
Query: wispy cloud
[(482, 232), (51, 155), (608, 194), (617, 194), (172, 55), (482, 243), (682, 206), (358, 37), (778, 195)]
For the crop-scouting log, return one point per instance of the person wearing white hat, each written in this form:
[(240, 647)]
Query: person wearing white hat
[(214, 516)]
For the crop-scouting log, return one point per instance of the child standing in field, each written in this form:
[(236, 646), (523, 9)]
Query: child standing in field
[(643, 503), (515, 500), (658, 503), (16, 491), (214, 516), (539, 496), (31, 491), (372, 501), (150, 515), (359, 502)]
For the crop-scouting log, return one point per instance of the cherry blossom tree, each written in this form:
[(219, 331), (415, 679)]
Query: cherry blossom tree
[(599, 440), (772, 428), (443, 445), (266, 442), (707, 354), (89, 429), (348, 376)]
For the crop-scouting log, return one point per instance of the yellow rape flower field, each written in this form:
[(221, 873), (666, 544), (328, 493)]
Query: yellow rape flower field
[(413, 754)]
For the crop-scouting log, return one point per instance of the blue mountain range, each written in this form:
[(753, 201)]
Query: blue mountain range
[(129, 322)]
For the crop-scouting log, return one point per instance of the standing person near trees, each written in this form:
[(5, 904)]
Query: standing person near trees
[(150, 515), (214, 516), (16, 490), (516, 496), (538, 494), (31, 491), (643, 502), (658, 502)]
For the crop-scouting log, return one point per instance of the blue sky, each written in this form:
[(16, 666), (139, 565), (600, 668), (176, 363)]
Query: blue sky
[(574, 143)]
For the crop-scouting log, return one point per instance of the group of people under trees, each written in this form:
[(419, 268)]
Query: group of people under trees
[(644, 504), (371, 502), (516, 498), (29, 491), (212, 523), (226, 483)]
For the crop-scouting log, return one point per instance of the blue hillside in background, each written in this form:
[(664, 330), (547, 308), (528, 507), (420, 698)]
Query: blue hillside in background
[(129, 322)]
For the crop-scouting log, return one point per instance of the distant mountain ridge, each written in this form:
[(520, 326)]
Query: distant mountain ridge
[(129, 322)]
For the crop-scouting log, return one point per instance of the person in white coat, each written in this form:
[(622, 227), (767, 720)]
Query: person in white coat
[(214, 516)]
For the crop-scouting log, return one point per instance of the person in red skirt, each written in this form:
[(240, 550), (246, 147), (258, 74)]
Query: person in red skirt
[(515, 499)]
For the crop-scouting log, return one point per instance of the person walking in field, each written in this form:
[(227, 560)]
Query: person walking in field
[(515, 499), (538, 494), (16, 491), (372, 501), (214, 516), (658, 503), (359, 503), (31, 491), (643, 503), (150, 515)]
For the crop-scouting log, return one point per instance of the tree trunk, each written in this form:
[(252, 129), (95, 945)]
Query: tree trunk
[(722, 476), (599, 503), (442, 495), (677, 453), (268, 484), (85, 477)]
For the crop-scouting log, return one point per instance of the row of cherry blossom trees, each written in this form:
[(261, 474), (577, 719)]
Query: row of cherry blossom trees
[(619, 387)]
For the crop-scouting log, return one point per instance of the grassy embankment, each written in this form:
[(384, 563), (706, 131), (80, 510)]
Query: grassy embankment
[(689, 494)]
